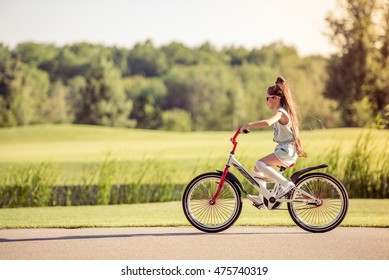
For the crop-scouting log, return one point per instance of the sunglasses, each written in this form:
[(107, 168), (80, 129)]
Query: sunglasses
[(272, 97)]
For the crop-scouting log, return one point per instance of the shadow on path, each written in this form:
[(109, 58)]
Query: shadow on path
[(171, 234)]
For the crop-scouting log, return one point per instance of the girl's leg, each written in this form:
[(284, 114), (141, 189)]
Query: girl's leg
[(258, 200), (267, 165)]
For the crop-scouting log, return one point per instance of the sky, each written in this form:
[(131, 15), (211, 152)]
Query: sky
[(123, 23)]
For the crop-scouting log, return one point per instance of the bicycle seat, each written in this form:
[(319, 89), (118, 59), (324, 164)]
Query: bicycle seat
[(283, 168)]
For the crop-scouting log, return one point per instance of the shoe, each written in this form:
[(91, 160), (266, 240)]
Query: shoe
[(285, 189), (257, 200)]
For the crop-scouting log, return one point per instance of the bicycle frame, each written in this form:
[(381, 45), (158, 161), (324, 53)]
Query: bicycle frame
[(249, 176)]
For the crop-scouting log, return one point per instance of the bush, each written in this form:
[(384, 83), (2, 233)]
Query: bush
[(177, 120)]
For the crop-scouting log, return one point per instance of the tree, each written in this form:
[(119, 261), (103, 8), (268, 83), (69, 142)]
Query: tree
[(57, 108), (35, 54), (208, 54), (382, 94), (119, 56), (76, 87), (23, 94), (211, 95), (254, 82), (306, 81), (276, 55), (5, 61), (178, 53), (104, 101), (144, 59), (148, 96), (68, 64), (353, 71), (237, 55), (146, 114)]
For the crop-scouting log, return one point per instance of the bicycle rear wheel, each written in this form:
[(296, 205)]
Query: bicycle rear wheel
[(201, 213), (329, 208)]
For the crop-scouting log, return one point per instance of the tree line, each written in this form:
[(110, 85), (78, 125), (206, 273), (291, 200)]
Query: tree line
[(169, 87), (176, 87)]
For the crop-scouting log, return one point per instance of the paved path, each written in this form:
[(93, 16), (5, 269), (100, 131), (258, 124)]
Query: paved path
[(187, 243)]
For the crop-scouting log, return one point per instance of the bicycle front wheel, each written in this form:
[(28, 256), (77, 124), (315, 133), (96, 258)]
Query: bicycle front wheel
[(204, 215), (319, 202)]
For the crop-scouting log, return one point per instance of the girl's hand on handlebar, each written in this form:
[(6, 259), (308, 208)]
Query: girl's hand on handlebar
[(244, 129)]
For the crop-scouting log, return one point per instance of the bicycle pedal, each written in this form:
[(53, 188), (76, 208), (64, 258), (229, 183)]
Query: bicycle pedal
[(260, 206), (256, 203)]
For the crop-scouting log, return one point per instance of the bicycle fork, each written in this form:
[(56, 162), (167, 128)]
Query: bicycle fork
[(221, 183)]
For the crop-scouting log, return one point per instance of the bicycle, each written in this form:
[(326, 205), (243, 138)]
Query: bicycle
[(212, 201)]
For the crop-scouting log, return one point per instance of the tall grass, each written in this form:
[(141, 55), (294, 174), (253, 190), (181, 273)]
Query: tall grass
[(365, 174), (27, 186)]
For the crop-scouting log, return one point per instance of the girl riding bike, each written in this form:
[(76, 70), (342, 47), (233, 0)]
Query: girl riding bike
[(286, 134)]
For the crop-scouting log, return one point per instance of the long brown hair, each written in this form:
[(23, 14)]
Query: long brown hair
[(282, 90)]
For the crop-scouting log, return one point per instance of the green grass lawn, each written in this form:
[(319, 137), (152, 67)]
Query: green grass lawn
[(362, 213), (79, 143)]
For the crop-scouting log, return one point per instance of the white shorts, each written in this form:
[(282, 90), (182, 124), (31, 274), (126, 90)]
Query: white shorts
[(286, 153)]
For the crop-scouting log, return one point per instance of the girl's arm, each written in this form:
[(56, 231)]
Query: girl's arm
[(262, 123)]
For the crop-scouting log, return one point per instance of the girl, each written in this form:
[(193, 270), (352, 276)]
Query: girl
[(286, 134)]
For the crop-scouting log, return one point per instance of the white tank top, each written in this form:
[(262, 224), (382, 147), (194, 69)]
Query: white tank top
[(283, 133)]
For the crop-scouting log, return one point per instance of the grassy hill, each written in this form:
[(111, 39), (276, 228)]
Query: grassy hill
[(67, 143)]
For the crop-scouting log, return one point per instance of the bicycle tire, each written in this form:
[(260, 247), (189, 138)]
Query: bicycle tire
[(204, 216), (331, 210)]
